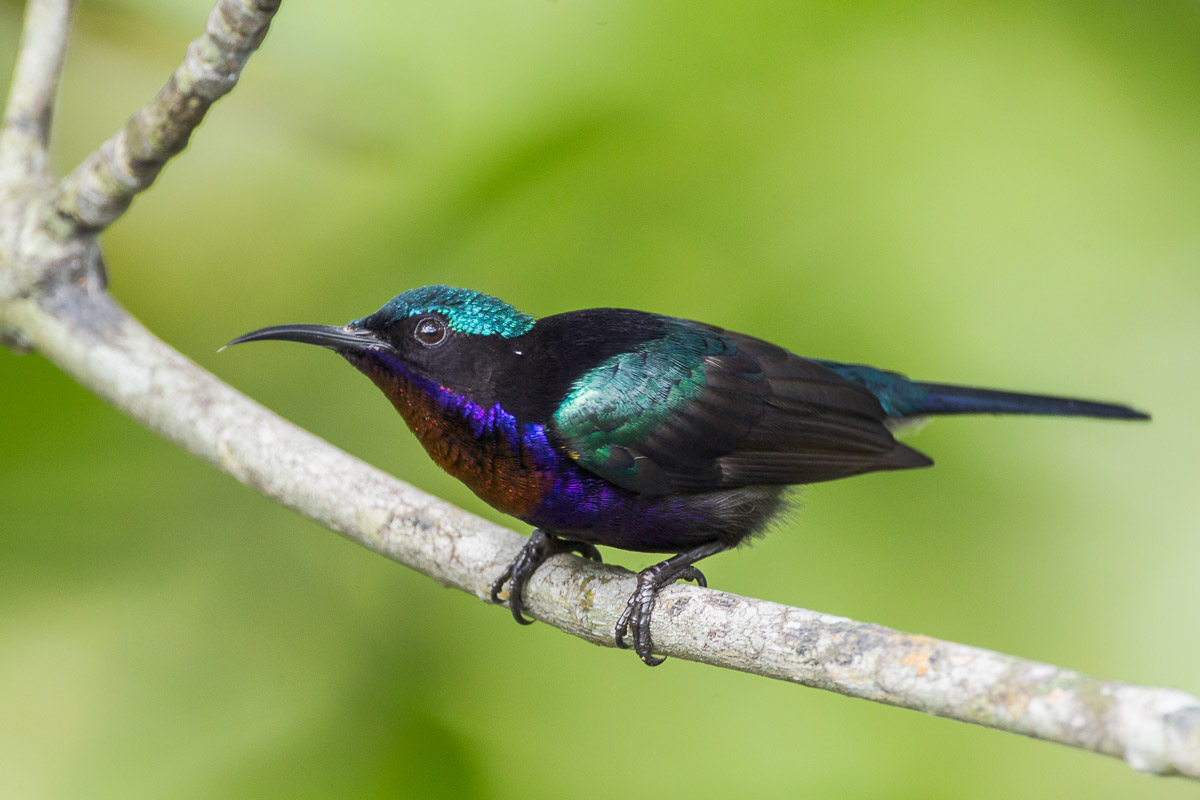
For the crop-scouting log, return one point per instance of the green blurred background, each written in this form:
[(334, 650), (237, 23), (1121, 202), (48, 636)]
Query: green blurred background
[(995, 193)]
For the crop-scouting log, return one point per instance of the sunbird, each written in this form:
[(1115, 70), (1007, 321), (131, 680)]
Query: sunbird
[(634, 430)]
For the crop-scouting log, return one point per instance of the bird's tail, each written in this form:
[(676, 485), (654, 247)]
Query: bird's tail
[(904, 399), (941, 398)]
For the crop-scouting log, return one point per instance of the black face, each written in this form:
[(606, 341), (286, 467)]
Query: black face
[(468, 364)]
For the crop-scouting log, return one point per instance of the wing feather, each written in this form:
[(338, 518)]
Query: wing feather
[(699, 408)]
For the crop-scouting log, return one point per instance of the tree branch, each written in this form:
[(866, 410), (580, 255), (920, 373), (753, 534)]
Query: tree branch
[(50, 300), (100, 189), (25, 131)]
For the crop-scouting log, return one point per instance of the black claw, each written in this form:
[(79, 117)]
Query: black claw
[(541, 546), (635, 618), (586, 550), (693, 574), (517, 606), (498, 585)]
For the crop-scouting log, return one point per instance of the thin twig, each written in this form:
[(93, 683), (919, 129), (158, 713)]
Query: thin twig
[(100, 189), (102, 347), (25, 131)]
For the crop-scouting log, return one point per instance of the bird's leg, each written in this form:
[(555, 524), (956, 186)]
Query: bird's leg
[(541, 545), (635, 618)]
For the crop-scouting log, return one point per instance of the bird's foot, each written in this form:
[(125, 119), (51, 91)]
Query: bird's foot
[(635, 618), (541, 546)]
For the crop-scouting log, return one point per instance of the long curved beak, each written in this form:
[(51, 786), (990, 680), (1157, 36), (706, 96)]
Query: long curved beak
[(343, 339)]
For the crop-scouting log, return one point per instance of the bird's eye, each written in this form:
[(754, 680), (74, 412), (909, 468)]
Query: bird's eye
[(430, 331)]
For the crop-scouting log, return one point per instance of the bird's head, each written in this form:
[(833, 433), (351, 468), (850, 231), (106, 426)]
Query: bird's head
[(450, 336)]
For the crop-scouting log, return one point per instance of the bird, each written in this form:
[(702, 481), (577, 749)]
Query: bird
[(635, 430)]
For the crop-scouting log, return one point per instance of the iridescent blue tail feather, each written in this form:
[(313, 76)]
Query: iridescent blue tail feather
[(902, 397), (943, 398)]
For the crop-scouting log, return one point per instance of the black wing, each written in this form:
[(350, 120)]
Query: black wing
[(700, 408)]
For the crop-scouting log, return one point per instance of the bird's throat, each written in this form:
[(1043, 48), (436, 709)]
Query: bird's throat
[(504, 463)]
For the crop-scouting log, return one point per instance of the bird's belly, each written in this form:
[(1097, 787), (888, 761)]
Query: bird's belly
[(584, 507)]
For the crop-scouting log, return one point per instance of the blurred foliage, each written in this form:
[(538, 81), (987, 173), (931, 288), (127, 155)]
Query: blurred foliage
[(990, 193)]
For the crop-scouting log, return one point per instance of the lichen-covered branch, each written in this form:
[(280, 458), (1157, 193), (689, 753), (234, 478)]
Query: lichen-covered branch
[(101, 346), (25, 130), (100, 189)]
